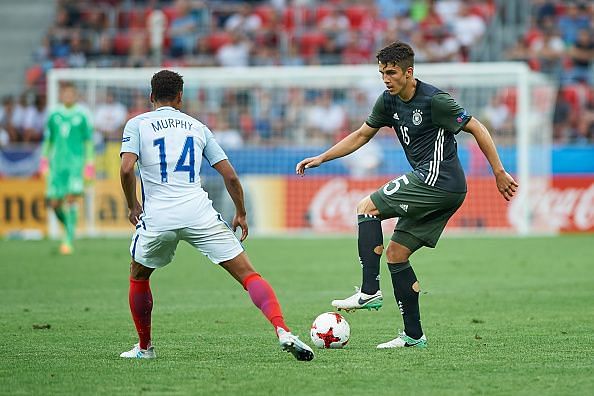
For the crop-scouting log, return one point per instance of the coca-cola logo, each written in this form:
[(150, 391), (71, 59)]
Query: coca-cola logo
[(555, 209), (333, 208)]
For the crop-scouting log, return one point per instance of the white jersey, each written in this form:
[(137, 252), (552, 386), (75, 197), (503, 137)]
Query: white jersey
[(170, 145)]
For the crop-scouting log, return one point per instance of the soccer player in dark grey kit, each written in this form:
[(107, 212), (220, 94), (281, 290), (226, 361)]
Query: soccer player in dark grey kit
[(425, 120)]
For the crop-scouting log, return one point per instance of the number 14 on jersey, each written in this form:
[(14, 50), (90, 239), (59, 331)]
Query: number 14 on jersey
[(185, 163)]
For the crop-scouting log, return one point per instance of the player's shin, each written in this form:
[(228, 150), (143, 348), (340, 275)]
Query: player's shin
[(406, 291), (141, 306), (370, 244), (71, 221), (263, 297)]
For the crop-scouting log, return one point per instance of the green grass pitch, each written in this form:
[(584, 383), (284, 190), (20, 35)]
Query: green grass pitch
[(502, 315)]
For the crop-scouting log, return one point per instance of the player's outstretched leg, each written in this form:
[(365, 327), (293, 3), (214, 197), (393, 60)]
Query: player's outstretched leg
[(264, 298), (140, 299)]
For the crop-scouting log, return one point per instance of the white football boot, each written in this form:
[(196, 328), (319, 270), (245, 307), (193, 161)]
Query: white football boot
[(137, 353), (291, 343), (404, 341), (360, 300)]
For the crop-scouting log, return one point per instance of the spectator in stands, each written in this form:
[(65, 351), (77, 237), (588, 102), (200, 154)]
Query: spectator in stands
[(391, 8), (110, 117), (103, 55), (77, 50), (444, 47), (586, 123), (335, 25), (497, 117), (227, 137), (236, 53), (574, 20), (468, 29), (138, 55), (34, 120), (183, 30), (140, 104), (548, 50), (324, 119), (563, 119), (582, 54), (244, 21), (8, 132)]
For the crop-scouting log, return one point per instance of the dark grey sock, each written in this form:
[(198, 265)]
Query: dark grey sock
[(403, 278), (370, 237)]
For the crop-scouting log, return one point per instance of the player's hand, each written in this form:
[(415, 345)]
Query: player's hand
[(135, 213), (312, 162), (43, 166), (506, 184), (241, 222), (89, 171)]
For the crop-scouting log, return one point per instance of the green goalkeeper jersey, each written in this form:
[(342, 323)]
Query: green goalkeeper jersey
[(68, 131)]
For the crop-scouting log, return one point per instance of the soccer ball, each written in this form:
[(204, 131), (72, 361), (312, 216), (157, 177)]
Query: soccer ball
[(330, 330)]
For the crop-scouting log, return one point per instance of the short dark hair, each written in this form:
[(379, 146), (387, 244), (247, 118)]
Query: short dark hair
[(165, 85), (397, 53)]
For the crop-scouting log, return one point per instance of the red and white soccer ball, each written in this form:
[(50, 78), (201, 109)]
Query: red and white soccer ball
[(330, 330)]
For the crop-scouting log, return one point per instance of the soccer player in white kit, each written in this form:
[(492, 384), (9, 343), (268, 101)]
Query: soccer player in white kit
[(168, 146)]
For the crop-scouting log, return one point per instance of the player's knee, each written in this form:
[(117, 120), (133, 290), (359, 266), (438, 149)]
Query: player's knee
[(366, 206), (397, 253), (139, 271)]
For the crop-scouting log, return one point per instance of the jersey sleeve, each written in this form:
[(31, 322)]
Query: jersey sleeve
[(378, 117), (88, 131), (212, 151), (448, 114), (131, 137)]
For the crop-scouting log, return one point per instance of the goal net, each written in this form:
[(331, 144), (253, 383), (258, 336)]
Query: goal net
[(268, 119)]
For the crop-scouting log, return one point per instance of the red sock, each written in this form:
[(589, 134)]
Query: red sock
[(141, 306), (263, 297)]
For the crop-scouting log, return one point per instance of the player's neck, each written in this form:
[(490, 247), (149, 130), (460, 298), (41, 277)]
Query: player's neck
[(409, 90), (158, 105)]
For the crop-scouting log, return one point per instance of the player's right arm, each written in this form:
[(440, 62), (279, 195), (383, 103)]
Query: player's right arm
[(378, 118), (128, 180), (346, 146), (46, 146), (129, 153)]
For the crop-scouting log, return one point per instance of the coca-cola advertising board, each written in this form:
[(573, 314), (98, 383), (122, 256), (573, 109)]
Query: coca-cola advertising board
[(328, 204)]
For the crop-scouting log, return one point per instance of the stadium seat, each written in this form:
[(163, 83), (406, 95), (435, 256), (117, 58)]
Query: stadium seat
[(217, 40), (296, 16), (266, 14), (121, 43), (310, 43), (321, 12), (356, 14)]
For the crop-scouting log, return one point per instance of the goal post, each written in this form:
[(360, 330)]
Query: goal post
[(268, 118)]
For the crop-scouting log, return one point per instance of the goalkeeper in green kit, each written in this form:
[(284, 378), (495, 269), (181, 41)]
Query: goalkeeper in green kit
[(67, 160)]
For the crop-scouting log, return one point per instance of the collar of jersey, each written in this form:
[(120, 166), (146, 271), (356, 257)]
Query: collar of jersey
[(166, 108)]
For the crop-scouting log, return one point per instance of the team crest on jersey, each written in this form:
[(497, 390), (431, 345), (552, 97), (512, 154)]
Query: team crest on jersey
[(417, 117)]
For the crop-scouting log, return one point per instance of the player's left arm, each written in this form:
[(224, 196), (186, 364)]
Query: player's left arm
[(217, 158), (233, 186), (505, 183), (89, 171)]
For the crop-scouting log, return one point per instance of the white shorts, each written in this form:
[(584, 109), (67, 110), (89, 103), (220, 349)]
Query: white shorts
[(155, 249)]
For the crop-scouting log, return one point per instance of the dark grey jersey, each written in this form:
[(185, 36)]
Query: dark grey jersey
[(425, 126)]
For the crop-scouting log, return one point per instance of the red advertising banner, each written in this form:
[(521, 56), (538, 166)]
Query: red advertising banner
[(328, 204)]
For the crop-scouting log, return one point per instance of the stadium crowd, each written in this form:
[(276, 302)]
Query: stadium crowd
[(115, 33)]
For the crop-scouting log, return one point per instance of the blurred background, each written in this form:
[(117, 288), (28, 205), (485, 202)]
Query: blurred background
[(279, 80)]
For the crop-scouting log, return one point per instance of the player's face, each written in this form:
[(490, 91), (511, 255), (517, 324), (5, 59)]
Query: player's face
[(394, 78), (68, 96)]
